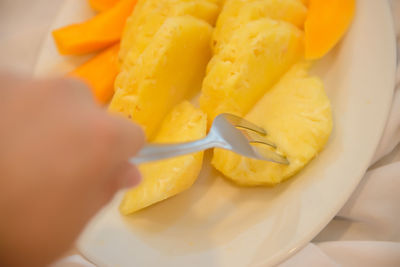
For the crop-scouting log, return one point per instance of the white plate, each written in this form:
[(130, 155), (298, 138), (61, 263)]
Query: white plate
[(218, 224)]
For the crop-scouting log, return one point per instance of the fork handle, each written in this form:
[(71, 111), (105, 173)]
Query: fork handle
[(154, 152)]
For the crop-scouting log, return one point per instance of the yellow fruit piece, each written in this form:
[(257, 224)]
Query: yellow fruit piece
[(327, 22), (171, 68), (167, 178), (296, 113), (253, 60), (148, 17), (237, 13), (218, 2)]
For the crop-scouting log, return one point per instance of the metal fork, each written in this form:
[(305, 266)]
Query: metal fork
[(227, 132)]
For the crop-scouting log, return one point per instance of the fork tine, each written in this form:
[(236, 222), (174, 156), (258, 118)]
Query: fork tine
[(252, 134), (242, 123), (256, 138), (266, 154)]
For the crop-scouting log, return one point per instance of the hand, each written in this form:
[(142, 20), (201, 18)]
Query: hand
[(61, 159)]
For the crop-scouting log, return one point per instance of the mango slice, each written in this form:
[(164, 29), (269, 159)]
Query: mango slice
[(237, 13), (296, 113), (167, 178), (100, 32), (257, 55), (102, 5), (306, 2), (171, 68), (99, 73), (326, 23), (150, 15)]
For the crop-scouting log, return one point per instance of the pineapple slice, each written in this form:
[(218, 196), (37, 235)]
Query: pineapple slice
[(237, 13), (253, 60), (167, 178), (148, 17), (170, 68), (296, 113)]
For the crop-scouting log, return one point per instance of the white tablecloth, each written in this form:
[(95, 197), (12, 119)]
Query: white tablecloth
[(366, 232)]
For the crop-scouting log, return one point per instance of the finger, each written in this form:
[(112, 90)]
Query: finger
[(11, 81), (70, 89), (13, 78), (125, 175), (129, 137), (130, 178), (76, 88)]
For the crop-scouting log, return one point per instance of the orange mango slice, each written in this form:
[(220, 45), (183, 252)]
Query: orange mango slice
[(305, 2), (102, 5), (100, 73), (100, 32), (326, 23)]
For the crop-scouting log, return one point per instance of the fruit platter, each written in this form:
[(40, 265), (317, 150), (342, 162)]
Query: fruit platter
[(294, 67)]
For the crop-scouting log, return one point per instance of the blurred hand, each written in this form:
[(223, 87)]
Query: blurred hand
[(61, 159)]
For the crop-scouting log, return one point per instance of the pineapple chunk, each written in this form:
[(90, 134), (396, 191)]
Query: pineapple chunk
[(167, 178), (149, 16), (296, 113), (237, 13), (171, 68), (253, 60)]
